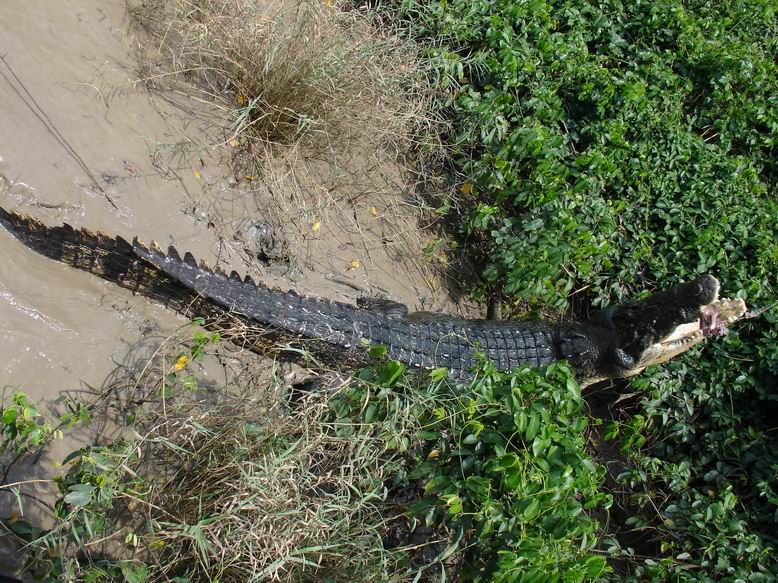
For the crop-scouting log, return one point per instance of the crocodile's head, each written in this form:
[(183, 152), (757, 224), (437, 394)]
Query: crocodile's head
[(665, 324)]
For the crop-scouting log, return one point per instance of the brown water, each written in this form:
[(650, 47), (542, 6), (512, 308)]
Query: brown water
[(82, 141)]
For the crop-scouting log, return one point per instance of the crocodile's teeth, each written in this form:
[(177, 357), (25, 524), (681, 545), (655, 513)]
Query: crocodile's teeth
[(204, 264), (219, 270), (139, 242), (156, 247), (190, 260)]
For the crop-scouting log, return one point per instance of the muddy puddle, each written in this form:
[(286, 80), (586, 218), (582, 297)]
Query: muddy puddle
[(83, 141)]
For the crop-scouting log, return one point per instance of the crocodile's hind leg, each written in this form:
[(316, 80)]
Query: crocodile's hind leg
[(388, 308), (392, 309), (328, 383)]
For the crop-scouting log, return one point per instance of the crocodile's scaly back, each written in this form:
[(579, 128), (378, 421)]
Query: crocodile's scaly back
[(427, 342)]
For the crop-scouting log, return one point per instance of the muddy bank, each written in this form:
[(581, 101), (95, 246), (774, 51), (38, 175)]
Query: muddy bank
[(83, 141)]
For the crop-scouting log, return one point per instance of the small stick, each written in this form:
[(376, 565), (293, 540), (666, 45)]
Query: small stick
[(758, 312)]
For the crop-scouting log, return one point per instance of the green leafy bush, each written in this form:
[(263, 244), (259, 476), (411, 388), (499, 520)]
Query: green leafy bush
[(502, 464), (611, 147), (22, 427), (704, 469)]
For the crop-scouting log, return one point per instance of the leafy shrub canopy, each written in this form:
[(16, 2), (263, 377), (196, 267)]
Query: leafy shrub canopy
[(616, 146), (610, 147)]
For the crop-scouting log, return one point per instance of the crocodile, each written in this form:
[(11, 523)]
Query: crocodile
[(619, 341)]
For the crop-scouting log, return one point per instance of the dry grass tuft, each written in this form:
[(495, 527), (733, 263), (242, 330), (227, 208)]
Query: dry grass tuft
[(225, 481), (288, 72), (326, 107), (252, 497)]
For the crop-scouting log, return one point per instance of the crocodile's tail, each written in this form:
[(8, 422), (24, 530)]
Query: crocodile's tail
[(110, 258), (262, 318), (196, 291)]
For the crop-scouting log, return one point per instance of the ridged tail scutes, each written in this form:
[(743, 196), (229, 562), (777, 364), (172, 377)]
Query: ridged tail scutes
[(256, 316), (335, 322), (229, 304), (189, 287), (108, 257)]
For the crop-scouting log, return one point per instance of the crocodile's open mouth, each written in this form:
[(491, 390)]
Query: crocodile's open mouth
[(713, 321)]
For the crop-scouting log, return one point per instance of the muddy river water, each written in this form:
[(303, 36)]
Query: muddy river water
[(83, 141)]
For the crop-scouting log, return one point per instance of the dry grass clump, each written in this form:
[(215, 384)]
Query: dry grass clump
[(330, 121), (221, 481), (242, 497), (287, 70)]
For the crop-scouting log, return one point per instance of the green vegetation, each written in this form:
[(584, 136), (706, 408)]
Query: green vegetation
[(502, 464), (598, 149), (604, 148), (391, 478), (607, 146), (21, 426)]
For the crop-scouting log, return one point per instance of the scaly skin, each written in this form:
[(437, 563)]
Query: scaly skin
[(618, 342)]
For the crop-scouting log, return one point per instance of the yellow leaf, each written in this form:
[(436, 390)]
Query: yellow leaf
[(240, 100), (157, 544), (467, 188), (373, 211), (181, 363), (316, 225), (433, 454), (355, 264), (249, 177), (198, 174), (233, 142)]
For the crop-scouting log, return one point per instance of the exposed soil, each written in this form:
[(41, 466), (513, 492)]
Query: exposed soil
[(83, 141)]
